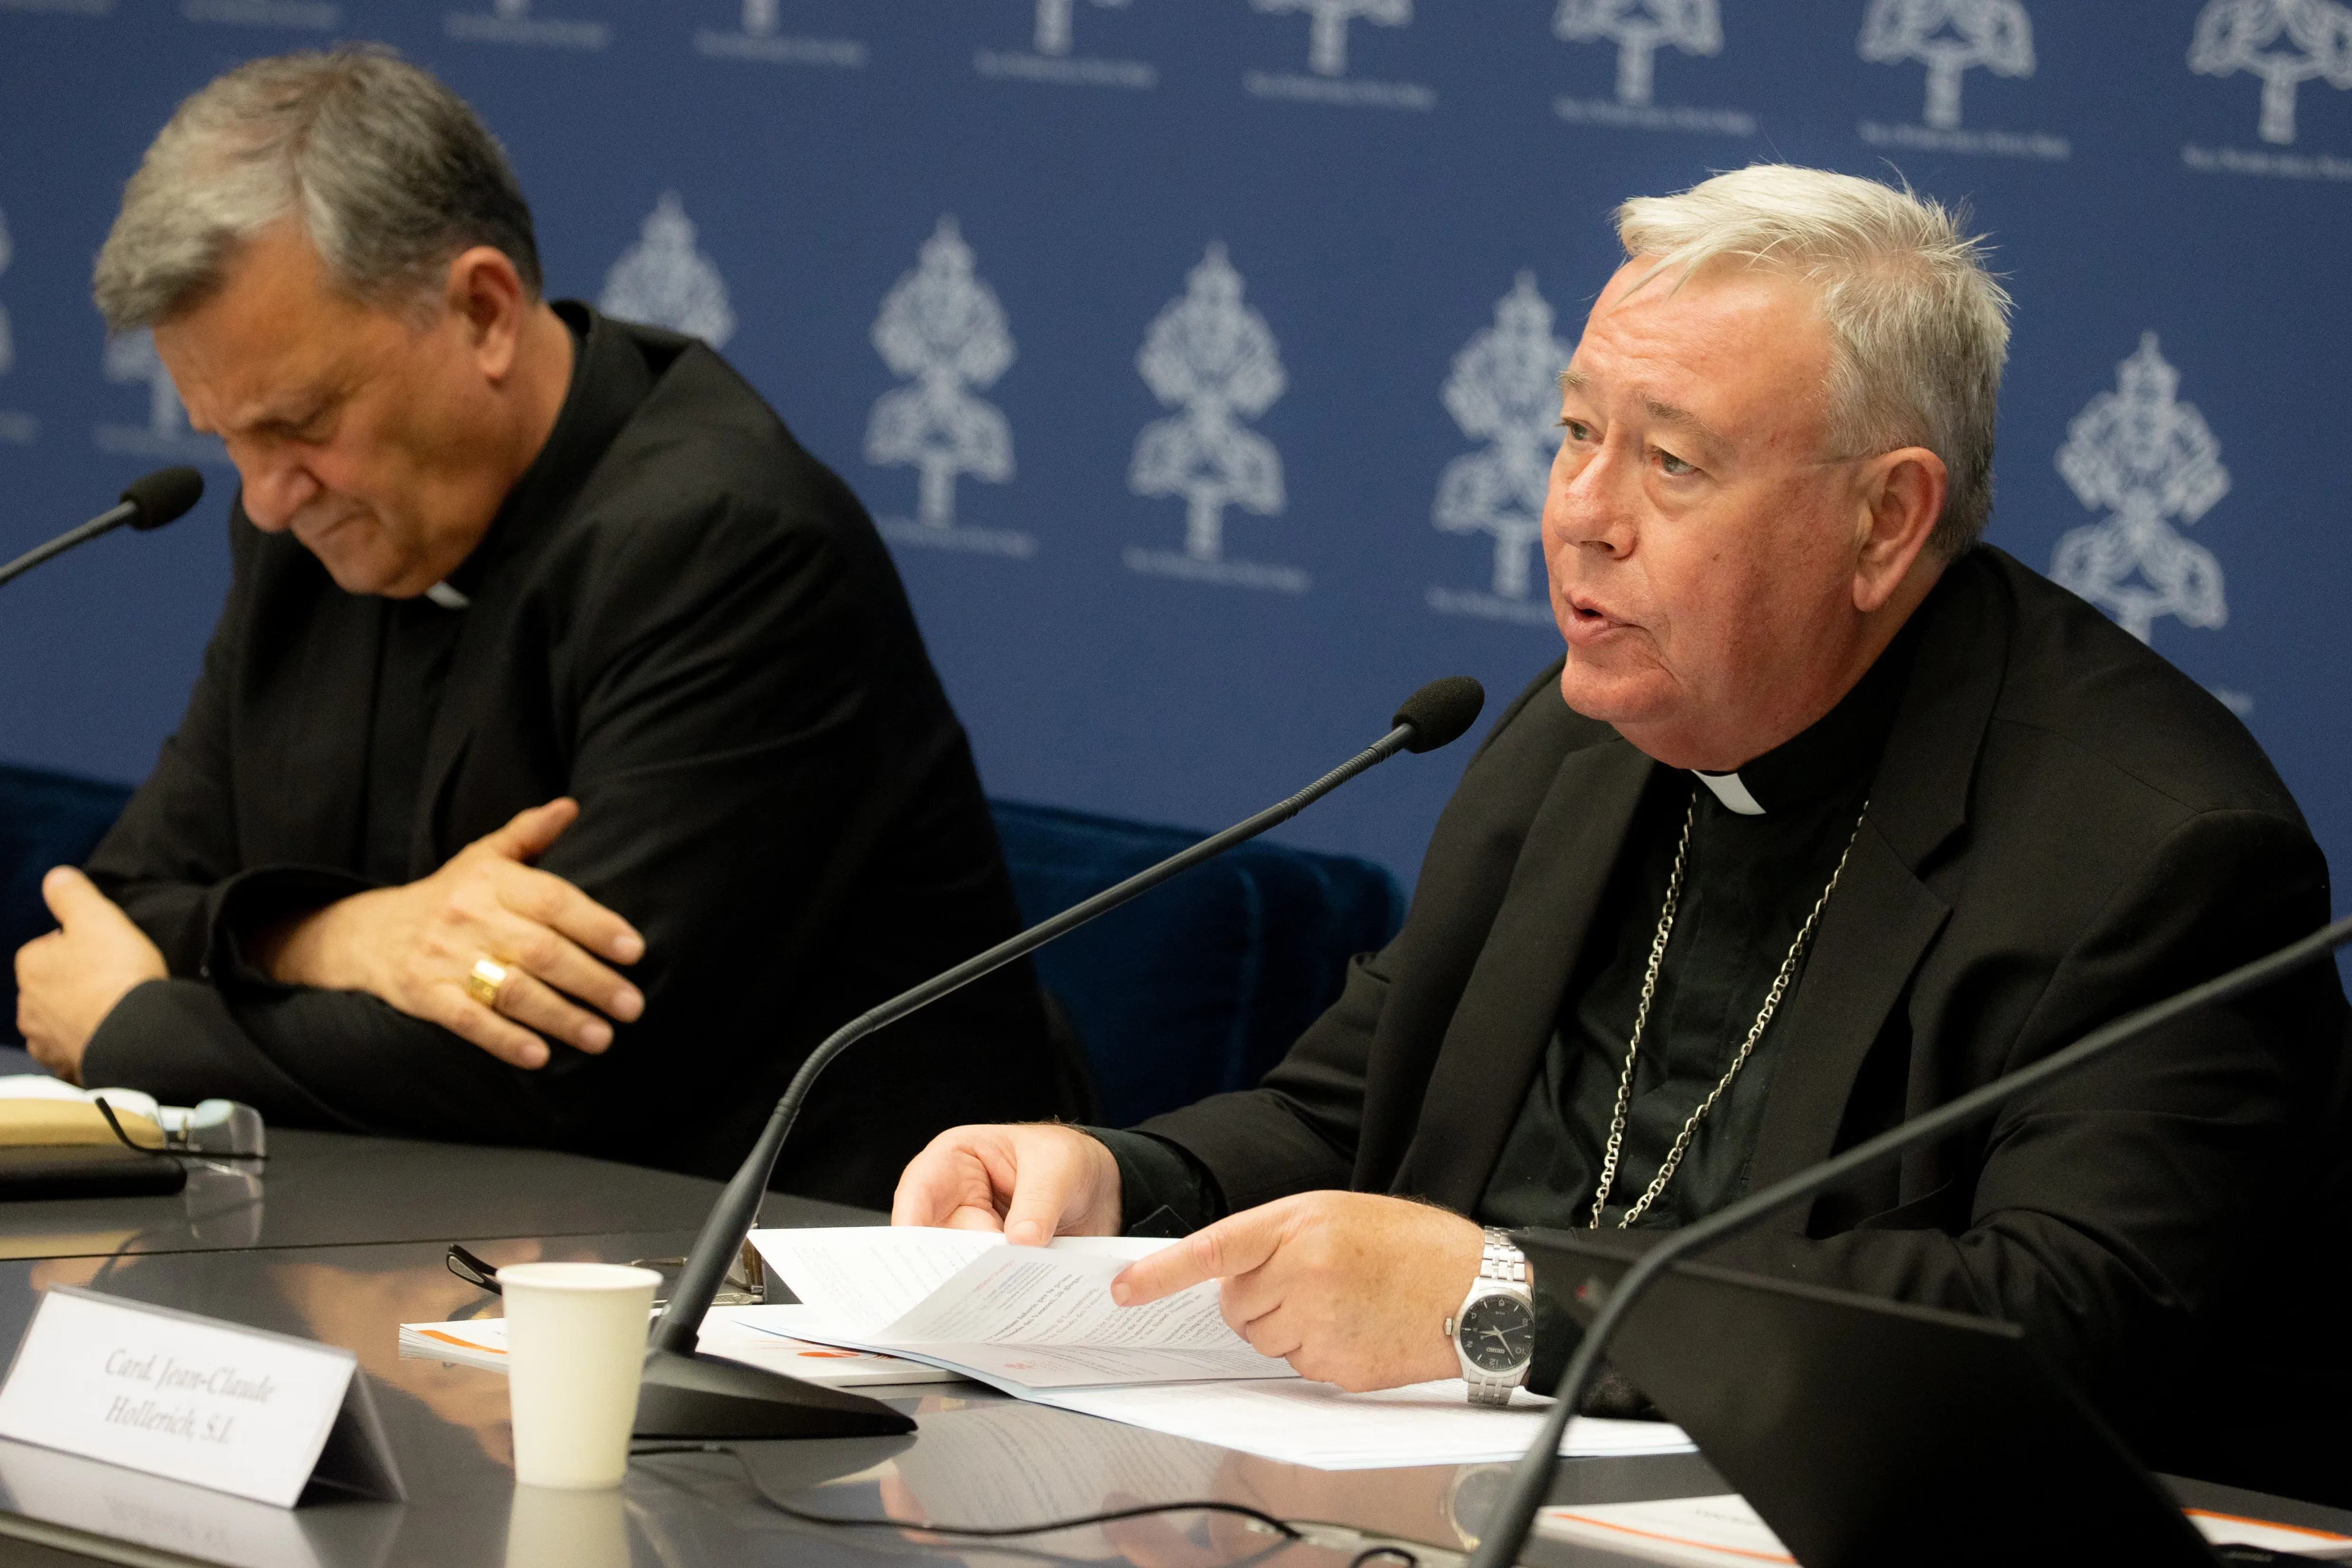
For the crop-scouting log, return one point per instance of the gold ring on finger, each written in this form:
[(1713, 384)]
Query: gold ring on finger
[(482, 982)]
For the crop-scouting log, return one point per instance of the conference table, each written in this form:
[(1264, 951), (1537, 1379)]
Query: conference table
[(342, 1238)]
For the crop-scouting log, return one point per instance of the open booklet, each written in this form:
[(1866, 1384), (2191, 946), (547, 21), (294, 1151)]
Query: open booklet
[(1023, 1319), (1039, 1323), (482, 1341)]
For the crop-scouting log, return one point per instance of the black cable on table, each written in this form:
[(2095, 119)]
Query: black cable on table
[(991, 1531)]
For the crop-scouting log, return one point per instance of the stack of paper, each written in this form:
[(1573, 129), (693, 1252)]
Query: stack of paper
[(1316, 1424), (1697, 1531), (727, 1331), (1023, 1319), (1039, 1323)]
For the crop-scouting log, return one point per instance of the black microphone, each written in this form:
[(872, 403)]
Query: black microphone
[(687, 1395), (1505, 1529), (150, 502)]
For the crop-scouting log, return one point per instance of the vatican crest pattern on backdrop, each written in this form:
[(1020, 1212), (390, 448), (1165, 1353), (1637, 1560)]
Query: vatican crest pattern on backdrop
[(1504, 391), (665, 281), (2147, 459), (1197, 358), (1211, 356), (944, 331)]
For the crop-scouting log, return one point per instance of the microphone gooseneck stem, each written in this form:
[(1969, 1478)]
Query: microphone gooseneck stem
[(104, 522), (1507, 1530), (731, 1216)]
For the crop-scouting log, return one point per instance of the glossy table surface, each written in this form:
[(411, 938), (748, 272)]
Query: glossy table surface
[(342, 1240), (327, 1189)]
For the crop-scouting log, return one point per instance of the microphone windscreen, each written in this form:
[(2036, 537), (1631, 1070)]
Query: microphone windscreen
[(1440, 711), (163, 495)]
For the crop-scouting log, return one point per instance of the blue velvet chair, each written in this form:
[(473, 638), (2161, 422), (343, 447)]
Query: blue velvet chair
[(1201, 985), (46, 819)]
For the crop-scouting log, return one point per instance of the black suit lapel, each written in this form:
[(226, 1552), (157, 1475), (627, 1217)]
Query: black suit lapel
[(1883, 917), (1873, 935), (1505, 1016)]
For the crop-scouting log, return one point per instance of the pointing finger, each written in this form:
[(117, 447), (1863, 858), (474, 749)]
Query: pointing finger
[(1234, 1245)]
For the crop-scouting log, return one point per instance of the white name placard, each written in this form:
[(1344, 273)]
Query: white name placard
[(239, 1410)]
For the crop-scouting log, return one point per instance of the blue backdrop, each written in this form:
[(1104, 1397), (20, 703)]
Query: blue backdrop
[(1196, 352)]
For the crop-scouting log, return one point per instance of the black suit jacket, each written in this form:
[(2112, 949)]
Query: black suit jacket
[(696, 631), (2062, 828)]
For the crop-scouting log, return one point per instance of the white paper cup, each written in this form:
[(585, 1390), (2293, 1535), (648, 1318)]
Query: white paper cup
[(575, 1345)]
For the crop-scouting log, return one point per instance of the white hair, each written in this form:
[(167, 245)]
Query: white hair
[(1918, 327)]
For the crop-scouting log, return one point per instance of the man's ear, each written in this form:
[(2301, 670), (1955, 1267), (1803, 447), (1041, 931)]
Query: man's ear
[(487, 297), (1902, 496)]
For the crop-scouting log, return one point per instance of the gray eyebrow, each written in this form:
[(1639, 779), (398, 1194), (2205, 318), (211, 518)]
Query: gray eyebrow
[(1573, 380), (1668, 413)]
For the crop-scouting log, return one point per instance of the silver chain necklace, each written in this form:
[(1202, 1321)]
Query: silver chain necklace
[(1642, 1018)]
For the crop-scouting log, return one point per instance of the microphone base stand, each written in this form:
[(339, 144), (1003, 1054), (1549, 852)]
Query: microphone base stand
[(705, 1398), (691, 1396)]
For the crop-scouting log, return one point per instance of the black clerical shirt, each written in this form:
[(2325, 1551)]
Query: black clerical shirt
[(412, 666), (1764, 843), (419, 636), (1753, 874)]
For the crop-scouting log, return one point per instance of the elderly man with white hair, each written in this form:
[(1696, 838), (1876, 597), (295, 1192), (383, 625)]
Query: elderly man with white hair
[(1829, 814)]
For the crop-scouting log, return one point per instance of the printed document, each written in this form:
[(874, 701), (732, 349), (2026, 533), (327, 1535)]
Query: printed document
[(1019, 1318), (482, 1341), (1317, 1424), (1039, 1323)]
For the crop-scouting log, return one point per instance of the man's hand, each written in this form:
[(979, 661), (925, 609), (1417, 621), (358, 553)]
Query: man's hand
[(415, 945), (1349, 1288), (1033, 1181), (68, 981)]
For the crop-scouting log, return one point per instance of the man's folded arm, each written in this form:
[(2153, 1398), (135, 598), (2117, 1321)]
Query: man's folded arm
[(338, 1059), (717, 728)]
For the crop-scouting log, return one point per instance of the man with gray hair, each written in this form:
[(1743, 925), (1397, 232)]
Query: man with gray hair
[(549, 655), (1829, 813)]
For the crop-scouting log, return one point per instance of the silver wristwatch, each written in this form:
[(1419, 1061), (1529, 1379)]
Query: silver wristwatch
[(1495, 1331)]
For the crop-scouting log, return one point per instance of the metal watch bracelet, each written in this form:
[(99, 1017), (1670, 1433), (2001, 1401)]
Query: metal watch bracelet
[(1502, 1273)]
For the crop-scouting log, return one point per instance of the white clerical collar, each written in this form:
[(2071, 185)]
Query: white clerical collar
[(1734, 794), (445, 596)]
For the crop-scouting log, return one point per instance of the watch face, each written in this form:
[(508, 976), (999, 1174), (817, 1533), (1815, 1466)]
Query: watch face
[(1497, 1332)]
